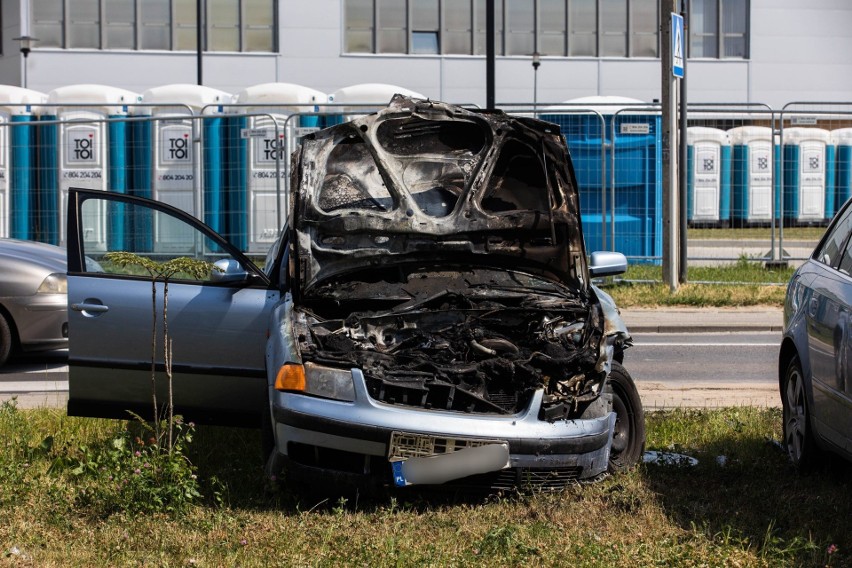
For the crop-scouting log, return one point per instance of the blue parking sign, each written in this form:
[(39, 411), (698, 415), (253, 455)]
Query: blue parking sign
[(678, 47)]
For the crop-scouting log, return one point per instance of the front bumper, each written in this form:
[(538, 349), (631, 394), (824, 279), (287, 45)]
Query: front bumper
[(352, 434), (41, 320)]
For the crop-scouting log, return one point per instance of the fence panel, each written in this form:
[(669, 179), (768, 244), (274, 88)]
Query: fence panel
[(761, 184)]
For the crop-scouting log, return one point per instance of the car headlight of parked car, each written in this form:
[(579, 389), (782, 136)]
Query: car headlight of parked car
[(55, 283), (316, 380)]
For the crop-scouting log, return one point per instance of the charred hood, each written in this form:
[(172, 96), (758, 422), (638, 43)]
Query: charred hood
[(422, 181)]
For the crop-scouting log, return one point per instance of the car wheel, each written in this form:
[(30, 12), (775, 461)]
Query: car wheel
[(5, 340), (628, 439), (798, 438)]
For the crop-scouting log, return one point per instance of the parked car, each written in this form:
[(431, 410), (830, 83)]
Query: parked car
[(815, 362), (426, 317), (33, 299)]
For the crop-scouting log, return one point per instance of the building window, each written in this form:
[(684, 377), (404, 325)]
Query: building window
[(119, 22), (47, 23), (644, 23), (578, 28), (84, 20), (232, 25), (718, 29), (185, 26)]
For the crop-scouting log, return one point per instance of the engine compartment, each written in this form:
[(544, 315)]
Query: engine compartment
[(468, 341)]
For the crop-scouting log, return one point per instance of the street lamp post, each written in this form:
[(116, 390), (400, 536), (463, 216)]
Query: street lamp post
[(536, 63), (26, 47)]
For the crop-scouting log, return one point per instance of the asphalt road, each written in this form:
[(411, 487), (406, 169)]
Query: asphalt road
[(671, 369), (705, 369), (36, 380)]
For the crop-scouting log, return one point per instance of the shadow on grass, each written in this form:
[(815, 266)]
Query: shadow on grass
[(230, 462), (745, 491)]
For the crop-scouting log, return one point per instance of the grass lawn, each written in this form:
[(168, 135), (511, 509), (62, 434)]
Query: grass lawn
[(741, 505), (757, 233), (739, 284)]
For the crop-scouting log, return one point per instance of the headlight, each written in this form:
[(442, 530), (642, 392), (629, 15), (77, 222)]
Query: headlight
[(317, 380), (55, 283)]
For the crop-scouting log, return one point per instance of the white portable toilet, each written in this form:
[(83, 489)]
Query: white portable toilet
[(753, 157), (808, 175), (356, 100), (171, 152), (708, 175), (17, 160), (268, 141), (89, 152)]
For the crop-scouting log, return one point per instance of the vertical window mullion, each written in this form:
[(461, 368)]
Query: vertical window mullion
[(720, 29), (441, 27), (137, 25), (241, 21), (536, 26), (66, 26), (172, 26), (408, 23), (376, 33), (102, 25)]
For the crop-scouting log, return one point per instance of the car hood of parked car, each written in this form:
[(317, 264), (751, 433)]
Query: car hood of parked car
[(50, 257), (422, 181)]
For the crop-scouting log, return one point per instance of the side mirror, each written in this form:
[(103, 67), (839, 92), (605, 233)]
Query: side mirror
[(606, 263), (231, 271)]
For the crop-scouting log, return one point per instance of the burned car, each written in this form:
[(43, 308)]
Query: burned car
[(429, 311)]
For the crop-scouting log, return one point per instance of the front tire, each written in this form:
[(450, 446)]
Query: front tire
[(5, 340), (628, 439), (798, 436)]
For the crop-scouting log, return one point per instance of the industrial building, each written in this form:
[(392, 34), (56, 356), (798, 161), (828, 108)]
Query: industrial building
[(766, 51)]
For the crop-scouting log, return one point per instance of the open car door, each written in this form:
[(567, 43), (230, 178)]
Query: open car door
[(217, 324)]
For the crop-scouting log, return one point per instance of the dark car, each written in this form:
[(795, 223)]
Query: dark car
[(815, 363), (427, 316), (33, 299)]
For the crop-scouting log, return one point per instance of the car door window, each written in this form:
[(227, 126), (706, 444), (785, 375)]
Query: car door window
[(845, 265), (149, 233), (833, 245)]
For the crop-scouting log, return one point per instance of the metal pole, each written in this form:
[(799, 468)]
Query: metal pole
[(489, 54), (199, 33), (682, 181), (536, 63), (668, 98)]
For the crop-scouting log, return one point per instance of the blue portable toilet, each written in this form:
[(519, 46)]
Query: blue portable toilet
[(263, 145), (637, 210), (754, 157), (166, 161), (17, 160), (708, 177), (808, 175), (82, 150), (841, 139), (356, 100)]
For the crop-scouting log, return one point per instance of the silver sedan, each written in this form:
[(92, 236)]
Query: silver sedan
[(33, 297)]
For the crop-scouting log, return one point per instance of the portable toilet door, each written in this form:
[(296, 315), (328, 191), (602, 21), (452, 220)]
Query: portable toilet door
[(752, 162), (168, 167), (808, 175), (85, 149), (841, 139), (264, 131), (708, 176), (17, 163), (357, 100)]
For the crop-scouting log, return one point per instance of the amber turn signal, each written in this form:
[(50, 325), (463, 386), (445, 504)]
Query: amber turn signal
[(291, 377)]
